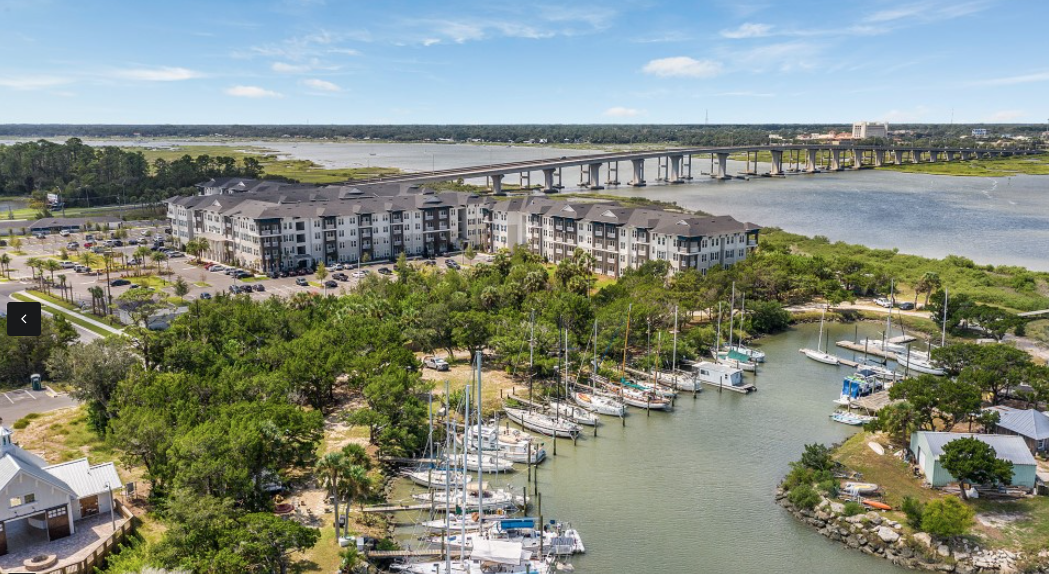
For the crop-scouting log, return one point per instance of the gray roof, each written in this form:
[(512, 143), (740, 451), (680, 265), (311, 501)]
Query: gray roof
[(1029, 423), (1007, 447), (85, 479)]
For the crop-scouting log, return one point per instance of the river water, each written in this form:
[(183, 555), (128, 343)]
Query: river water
[(693, 490), (999, 220)]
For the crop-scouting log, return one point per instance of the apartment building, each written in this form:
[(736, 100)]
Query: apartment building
[(294, 226), (270, 228), (619, 237)]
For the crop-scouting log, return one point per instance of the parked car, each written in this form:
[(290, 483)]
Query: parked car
[(205, 295), (435, 363), (358, 274), (64, 233), (216, 268), (883, 302), (89, 237), (118, 243), (73, 245), (119, 283), (302, 282), (906, 306), (88, 244), (385, 271), (68, 265), (330, 284), (241, 274), (338, 267), (235, 289), (82, 269), (430, 262), (259, 287), (132, 241), (340, 276)]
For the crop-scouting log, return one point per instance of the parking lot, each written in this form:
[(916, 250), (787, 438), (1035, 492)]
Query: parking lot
[(199, 279), (21, 402)]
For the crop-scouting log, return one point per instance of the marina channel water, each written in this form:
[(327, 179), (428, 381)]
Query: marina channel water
[(693, 490)]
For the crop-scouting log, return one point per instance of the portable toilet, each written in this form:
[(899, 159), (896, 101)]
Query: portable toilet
[(34, 381)]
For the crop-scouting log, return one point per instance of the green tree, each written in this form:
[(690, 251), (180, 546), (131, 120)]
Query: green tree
[(972, 461), (471, 330), (93, 370), (947, 517), (181, 287), (817, 457), (767, 317), (333, 468)]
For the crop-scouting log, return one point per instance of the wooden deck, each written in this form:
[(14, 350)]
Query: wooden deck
[(858, 348)]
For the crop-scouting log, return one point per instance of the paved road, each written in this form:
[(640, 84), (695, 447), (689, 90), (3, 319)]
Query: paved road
[(17, 404)]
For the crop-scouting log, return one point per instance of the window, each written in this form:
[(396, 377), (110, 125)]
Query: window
[(20, 500)]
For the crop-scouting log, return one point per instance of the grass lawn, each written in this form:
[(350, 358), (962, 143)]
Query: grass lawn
[(1039, 330), (1023, 524), (202, 284), (73, 314), (64, 435), (253, 279), (151, 281), (890, 473)]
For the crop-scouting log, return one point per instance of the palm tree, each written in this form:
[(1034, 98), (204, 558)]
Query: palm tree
[(333, 467), (5, 264), (356, 485), (52, 266), (62, 284), (97, 296), (107, 258), (141, 254), (35, 265), (158, 257), (196, 247)]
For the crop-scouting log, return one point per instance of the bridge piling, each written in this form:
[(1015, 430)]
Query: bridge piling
[(639, 172), (675, 169), (835, 160), (548, 180), (595, 176), (777, 163), (810, 161)]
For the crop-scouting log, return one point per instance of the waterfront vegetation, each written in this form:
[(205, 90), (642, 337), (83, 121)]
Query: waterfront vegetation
[(997, 167)]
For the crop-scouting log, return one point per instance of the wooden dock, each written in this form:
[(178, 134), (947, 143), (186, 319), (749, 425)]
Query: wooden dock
[(401, 508), (429, 553), (744, 389), (858, 348), (872, 403)]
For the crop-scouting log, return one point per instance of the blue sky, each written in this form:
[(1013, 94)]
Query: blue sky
[(495, 61)]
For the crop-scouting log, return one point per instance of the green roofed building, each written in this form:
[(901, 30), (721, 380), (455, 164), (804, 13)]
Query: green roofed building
[(926, 447)]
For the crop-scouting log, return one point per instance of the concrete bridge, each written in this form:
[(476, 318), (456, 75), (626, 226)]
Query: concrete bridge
[(674, 165)]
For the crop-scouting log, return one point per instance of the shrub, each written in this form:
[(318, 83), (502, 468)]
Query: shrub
[(852, 508), (797, 476), (804, 496), (913, 508), (829, 487), (817, 457), (24, 421), (946, 517)]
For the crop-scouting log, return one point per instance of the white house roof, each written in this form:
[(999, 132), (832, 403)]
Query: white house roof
[(87, 480), (1006, 447), (11, 464), (1029, 423)]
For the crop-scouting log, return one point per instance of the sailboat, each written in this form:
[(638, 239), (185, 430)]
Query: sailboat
[(922, 362), (436, 477), (542, 423), (599, 403), (819, 354), (486, 557), (510, 444), (632, 395), (733, 358), (555, 538), (751, 355), (574, 413)]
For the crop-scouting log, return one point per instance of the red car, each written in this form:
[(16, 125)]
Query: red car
[(88, 245)]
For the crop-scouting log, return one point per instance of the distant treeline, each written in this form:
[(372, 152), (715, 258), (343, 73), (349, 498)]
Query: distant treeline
[(687, 134), (85, 176)]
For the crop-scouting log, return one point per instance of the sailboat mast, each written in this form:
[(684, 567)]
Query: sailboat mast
[(449, 433), (480, 444), (718, 344), (531, 356), (466, 474), (819, 342), (731, 315), (888, 318), (626, 340), (673, 358)]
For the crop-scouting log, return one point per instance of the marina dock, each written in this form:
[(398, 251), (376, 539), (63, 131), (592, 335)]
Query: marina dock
[(744, 389), (859, 349), (428, 553)]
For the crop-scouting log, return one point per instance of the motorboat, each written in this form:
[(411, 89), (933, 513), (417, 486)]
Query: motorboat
[(552, 539), (486, 557), (753, 355)]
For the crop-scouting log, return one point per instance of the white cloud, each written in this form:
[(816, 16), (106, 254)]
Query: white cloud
[(682, 67), (929, 11), (252, 92), (166, 74), (32, 82), (1010, 80), (321, 85), (748, 30), (344, 51), (431, 41), (1005, 116), (781, 56), (286, 68), (621, 112)]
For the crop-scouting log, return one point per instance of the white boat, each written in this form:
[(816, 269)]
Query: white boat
[(850, 418), (543, 424), (552, 539), (574, 414), (679, 381), (509, 443), (488, 463), (486, 557), (879, 371), (639, 399), (599, 403), (914, 364), (657, 390), (470, 523), (717, 375), (729, 361), (752, 354), (819, 354), (436, 477), (490, 499)]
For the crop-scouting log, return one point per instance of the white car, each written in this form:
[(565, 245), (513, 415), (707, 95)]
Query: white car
[(358, 274), (435, 363), (64, 233), (883, 302)]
